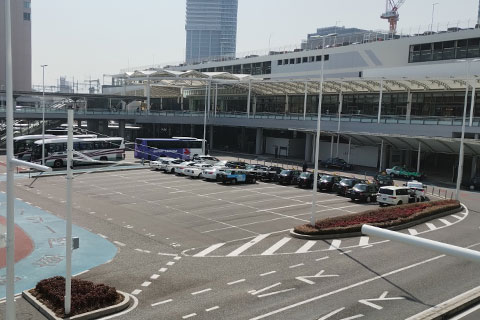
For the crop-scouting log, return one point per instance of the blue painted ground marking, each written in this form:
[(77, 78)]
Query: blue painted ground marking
[(48, 257)]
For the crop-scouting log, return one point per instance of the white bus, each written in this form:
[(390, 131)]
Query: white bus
[(101, 149)]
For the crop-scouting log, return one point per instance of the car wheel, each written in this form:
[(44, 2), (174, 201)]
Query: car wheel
[(368, 200), (399, 202), (199, 176), (254, 181), (58, 163), (172, 171), (234, 181)]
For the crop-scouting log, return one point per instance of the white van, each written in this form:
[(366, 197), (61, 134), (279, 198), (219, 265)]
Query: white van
[(393, 195)]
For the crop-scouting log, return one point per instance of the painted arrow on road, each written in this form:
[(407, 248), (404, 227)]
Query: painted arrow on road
[(318, 275), (256, 292), (383, 297)]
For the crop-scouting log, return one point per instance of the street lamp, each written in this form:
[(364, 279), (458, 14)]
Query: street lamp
[(43, 112), (462, 140), (433, 12), (317, 140)]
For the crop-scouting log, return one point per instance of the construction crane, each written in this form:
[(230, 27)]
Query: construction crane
[(391, 13)]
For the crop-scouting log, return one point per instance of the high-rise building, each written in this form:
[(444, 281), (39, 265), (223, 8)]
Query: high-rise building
[(21, 45), (211, 27)]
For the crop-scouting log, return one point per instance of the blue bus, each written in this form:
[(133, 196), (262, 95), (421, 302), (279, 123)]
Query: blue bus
[(176, 147)]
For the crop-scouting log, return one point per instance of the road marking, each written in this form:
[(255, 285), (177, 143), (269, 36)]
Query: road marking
[(324, 258), (457, 217), (383, 297), (275, 247), (170, 263), (276, 292), (136, 291), (431, 226), (119, 243), (146, 284), (267, 273), (235, 282), (202, 291), (177, 258), (167, 254), (318, 275), (155, 276), (161, 302), (382, 276), (307, 246), (345, 252), (446, 222), (162, 269), (413, 232), (364, 241), (212, 308), (255, 292), (247, 245), (103, 236), (80, 273), (209, 250), (189, 315), (297, 265), (335, 244)]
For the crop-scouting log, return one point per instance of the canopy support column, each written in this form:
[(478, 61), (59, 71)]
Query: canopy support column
[(419, 156), (349, 149), (249, 97), (472, 105), (380, 102), (381, 157), (305, 101)]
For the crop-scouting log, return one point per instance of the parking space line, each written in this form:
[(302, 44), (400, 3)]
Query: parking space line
[(276, 246), (136, 292), (446, 222), (267, 273), (200, 292), (189, 315), (412, 232), (212, 308), (235, 282), (335, 244), (364, 241), (297, 265), (431, 226), (161, 302), (247, 245), (307, 246)]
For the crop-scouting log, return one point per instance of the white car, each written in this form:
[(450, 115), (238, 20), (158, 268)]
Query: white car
[(180, 167), (418, 189), (169, 166), (393, 195), (211, 173), (196, 170), (157, 164), (206, 159)]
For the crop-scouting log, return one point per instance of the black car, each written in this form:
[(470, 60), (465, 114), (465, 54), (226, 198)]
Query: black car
[(363, 192), (383, 180), (326, 182), (270, 174), (474, 183), (344, 185), (336, 163), (235, 165), (289, 176), (306, 180)]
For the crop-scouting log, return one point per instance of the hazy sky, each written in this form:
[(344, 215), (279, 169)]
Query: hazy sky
[(89, 38)]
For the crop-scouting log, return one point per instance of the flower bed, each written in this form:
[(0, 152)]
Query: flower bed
[(382, 217), (86, 296)]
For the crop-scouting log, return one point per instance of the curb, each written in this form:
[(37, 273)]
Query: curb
[(359, 233), (449, 308), (44, 310)]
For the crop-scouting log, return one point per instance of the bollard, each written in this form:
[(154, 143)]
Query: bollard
[(439, 192), (433, 190), (446, 194)]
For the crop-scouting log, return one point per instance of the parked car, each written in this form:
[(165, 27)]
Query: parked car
[(393, 195), (306, 180), (417, 190), (404, 172), (180, 167), (336, 163), (475, 183), (270, 174), (346, 184), (236, 164), (256, 169), (210, 174), (326, 182), (205, 159), (196, 170), (363, 192), (234, 176), (287, 177), (383, 180), (169, 165)]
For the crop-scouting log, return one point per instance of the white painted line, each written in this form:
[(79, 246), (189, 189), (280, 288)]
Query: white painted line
[(177, 258), (161, 302), (247, 245), (364, 241), (170, 263), (139, 250), (335, 244), (103, 236), (457, 217), (167, 254), (267, 273), (209, 250), (155, 276), (147, 251), (162, 269), (189, 315), (275, 247), (212, 308), (369, 246), (297, 265), (324, 258), (307, 246), (413, 232), (235, 282), (255, 292), (80, 273), (136, 291), (325, 317), (276, 292), (119, 243), (431, 226), (202, 291), (446, 222), (345, 252), (146, 284)]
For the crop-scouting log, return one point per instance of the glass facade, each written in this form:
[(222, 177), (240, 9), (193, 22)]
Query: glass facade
[(211, 28), (446, 50)]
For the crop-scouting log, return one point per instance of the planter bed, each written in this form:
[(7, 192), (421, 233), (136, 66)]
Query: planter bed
[(389, 217), (86, 296)]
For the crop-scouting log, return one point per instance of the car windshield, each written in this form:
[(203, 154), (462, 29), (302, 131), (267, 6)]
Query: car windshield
[(360, 187), (285, 172), (347, 182), (385, 191), (305, 174), (326, 178), (383, 178)]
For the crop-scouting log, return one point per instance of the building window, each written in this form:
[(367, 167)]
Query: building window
[(305, 59), (285, 61), (311, 59), (27, 16), (319, 58), (280, 62), (299, 60), (292, 61), (446, 50), (26, 4), (327, 57)]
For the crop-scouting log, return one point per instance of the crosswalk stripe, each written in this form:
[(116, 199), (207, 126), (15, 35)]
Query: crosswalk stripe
[(247, 245), (364, 241), (457, 217), (335, 244), (413, 232), (446, 222), (275, 247), (306, 246), (431, 226), (209, 250)]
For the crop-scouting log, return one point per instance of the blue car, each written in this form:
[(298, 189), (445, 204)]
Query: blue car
[(236, 176)]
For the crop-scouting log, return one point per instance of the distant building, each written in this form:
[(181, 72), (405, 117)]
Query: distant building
[(211, 27), (21, 45), (344, 36)]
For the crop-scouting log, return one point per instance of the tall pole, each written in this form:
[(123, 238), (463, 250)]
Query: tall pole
[(305, 101), (340, 107), (472, 105), (249, 97), (380, 102), (419, 158), (381, 157), (43, 113), (207, 92), (68, 277), (462, 147), (10, 307), (433, 12)]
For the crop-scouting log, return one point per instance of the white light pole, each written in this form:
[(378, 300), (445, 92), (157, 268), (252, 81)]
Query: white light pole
[(433, 12), (317, 140), (207, 103), (43, 112)]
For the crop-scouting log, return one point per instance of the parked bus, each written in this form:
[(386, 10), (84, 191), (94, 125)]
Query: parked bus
[(22, 145), (176, 147), (102, 149)]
